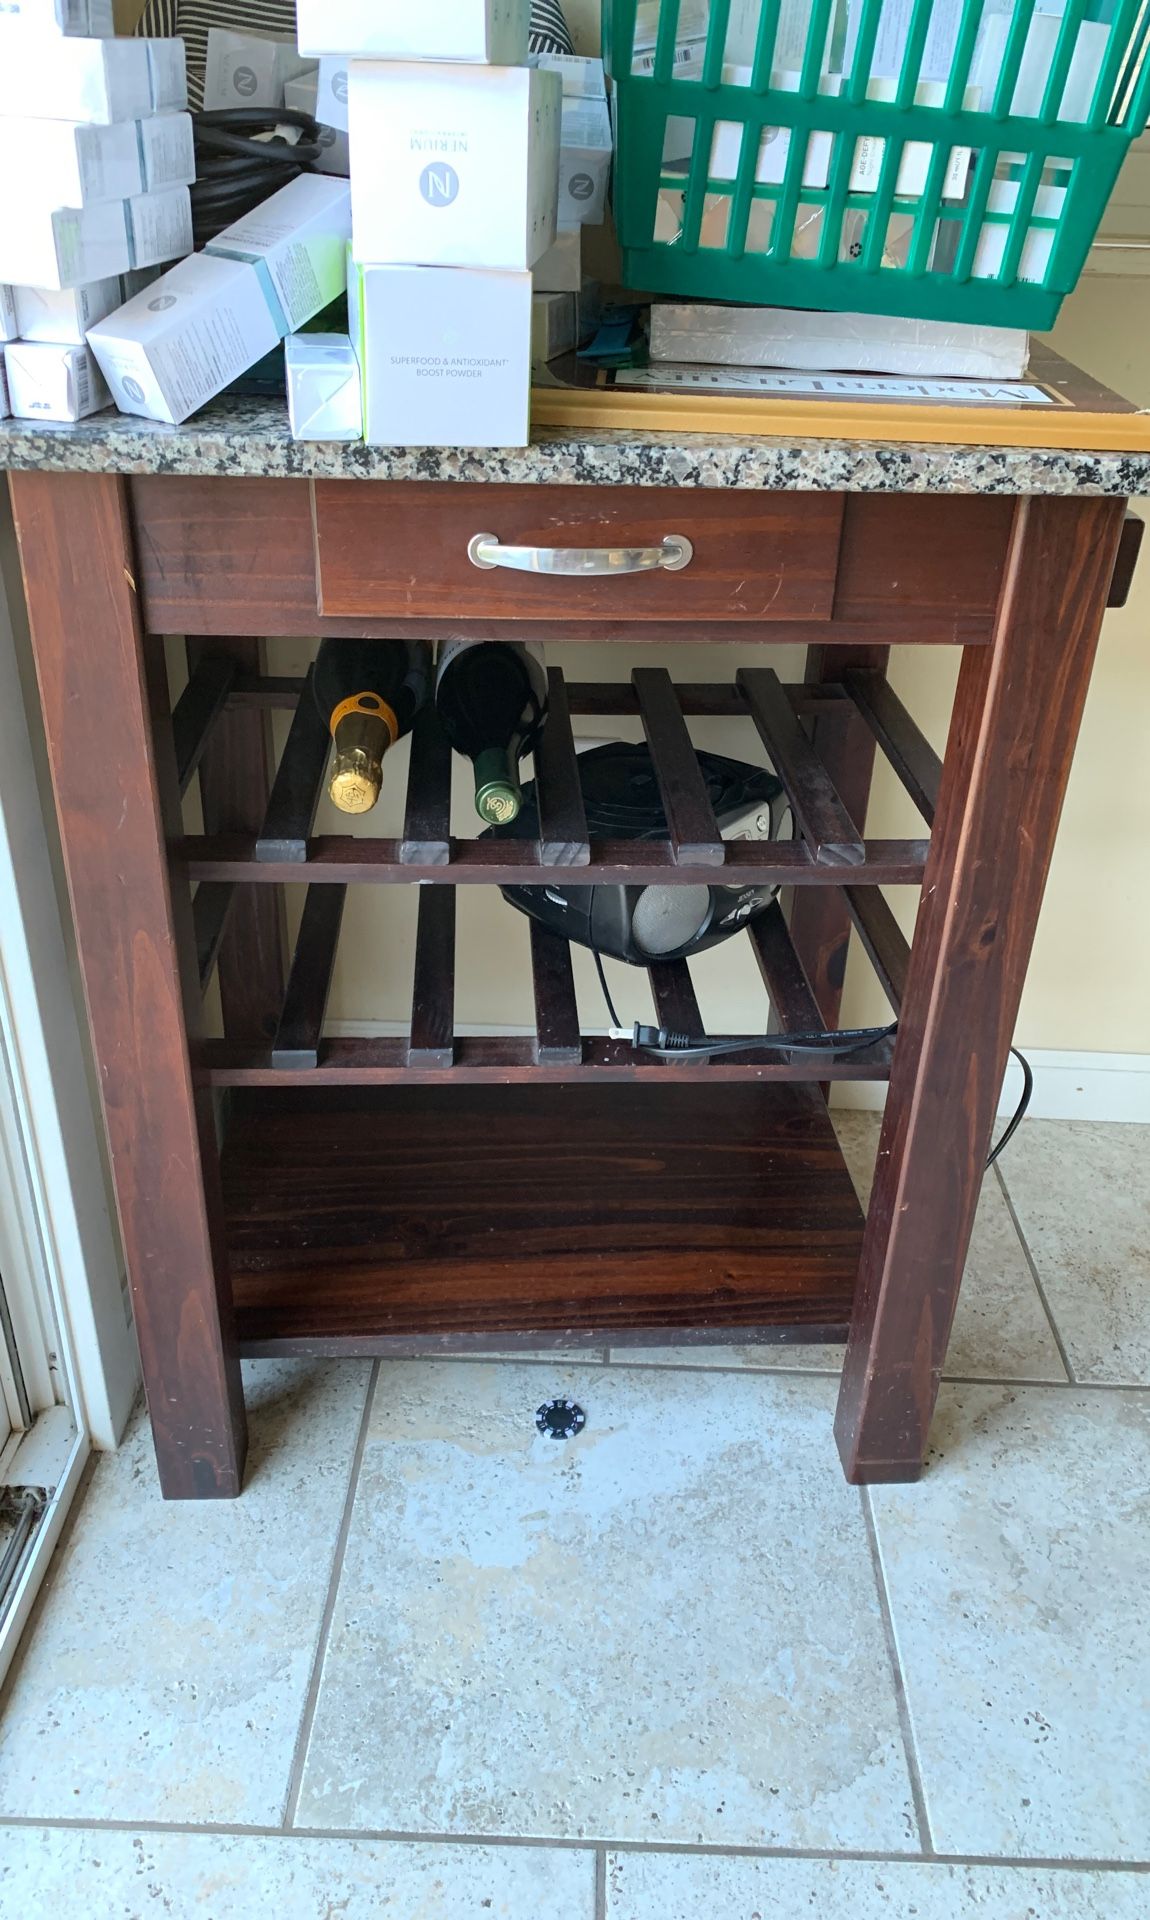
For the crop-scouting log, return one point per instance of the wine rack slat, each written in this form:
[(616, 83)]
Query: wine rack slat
[(295, 792), (884, 941), (427, 821), (197, 710), (211, 905), (558, 1041), (432, 1042), (674, 995), (792, 1001), (558, 790), (690, 816), (820, 816), (906, 747), (300, 1029), (586, 699)]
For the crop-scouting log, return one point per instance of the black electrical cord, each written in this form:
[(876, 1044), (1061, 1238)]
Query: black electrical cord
[(243, 155), (680, 1046)]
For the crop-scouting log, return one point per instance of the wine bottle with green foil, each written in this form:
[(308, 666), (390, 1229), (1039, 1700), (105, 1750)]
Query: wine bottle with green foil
[(491, 696), (369, 692)]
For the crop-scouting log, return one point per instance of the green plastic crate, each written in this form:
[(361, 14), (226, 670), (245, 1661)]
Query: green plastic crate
[(906, 252)]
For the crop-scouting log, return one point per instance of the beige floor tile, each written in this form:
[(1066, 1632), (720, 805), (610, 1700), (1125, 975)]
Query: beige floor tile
[(667, 1628), (1017, 1572), (1001, 1331), (166, 1676), (68, 1873), (1082, 1194), (688, 1887)]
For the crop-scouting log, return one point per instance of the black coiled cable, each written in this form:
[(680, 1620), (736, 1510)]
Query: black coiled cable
[(236, 168)]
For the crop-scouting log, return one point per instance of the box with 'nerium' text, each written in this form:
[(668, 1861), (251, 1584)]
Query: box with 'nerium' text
[(172, 348), (297, 242), (72, 245), (445, 355), (453, 166), (492, 31), (69, 164)]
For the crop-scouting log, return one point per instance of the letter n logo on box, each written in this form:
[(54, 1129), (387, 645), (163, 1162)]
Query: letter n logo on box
[(439, 184)]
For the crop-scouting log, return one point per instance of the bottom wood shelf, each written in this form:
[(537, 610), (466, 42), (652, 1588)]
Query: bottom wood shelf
[(427, 1218)]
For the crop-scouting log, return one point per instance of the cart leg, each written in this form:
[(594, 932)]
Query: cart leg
[(234, 788), (819, 920), (1015, 722), (116, 796)]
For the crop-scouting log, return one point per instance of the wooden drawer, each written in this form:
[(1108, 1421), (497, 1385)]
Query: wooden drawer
[(393, 551)]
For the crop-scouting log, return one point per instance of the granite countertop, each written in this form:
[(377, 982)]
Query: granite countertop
[(248, 437)]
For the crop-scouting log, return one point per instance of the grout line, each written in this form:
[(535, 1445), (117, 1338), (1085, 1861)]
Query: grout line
[(906, 1724), (1055, 1386), (600, 1908), (1034, 1274), (687, 1366), (404, 1836), (311, 1698)]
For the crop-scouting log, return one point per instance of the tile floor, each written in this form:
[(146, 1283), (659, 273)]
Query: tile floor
[(434, 1665)]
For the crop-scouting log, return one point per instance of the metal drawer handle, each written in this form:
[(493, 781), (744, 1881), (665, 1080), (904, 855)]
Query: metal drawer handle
[(676, 552)]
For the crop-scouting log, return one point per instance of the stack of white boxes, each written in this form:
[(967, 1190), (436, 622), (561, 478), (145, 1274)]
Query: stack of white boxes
[(566, 306), (454, 154), (96, 158)]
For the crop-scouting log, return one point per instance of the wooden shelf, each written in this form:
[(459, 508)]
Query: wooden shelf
[(433, 1217)]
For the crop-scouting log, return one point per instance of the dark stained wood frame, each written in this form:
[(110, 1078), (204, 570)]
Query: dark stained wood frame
[(157, 911)]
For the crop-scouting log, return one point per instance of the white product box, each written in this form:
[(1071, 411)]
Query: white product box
[(323, 387), (181, 341), (72, 165), (97, 80), (582, 79), (491, 31), (303, 95), (53, 382), (1037, 58), (9, 326), (64, 318), (560, 269), (297, 241), (5, 408), (331, 94), (991, 251), (453, 166), (584, 161), (248, 70), (46, 16), (167, 75), (834, 342), (73, 245), (445, 355), (554, 325)]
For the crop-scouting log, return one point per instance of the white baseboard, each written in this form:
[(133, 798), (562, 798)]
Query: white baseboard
[(1067, 1086)]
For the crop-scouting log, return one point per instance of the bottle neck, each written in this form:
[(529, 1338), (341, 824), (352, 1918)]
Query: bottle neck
[(363, 728), (498, 795)]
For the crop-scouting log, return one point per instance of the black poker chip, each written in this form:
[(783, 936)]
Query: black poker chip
[(560, 1419)]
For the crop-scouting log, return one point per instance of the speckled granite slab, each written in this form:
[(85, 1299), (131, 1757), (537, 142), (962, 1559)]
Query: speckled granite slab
[(243, 437)]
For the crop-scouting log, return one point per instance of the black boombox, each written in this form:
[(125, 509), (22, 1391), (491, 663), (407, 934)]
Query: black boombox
[(646, 923)]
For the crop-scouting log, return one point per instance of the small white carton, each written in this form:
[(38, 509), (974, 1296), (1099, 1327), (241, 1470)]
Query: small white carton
[(453, 166), (248, 69), (63, 318), (554, 325), (331, 92), (323, 387), (582, 79), (53, 382), (167, 75), (584, 161), (297, 242), (560, 269), (490, 31), (70, 246), (445, 355), (303, 94), (9, 325), (181, 341), (70, 164), (83, 79)]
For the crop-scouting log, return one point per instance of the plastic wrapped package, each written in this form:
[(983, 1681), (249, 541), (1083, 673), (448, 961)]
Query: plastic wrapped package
[(838, 342)]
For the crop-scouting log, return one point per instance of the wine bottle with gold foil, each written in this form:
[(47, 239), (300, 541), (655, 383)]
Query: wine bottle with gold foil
[(369, 692)]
